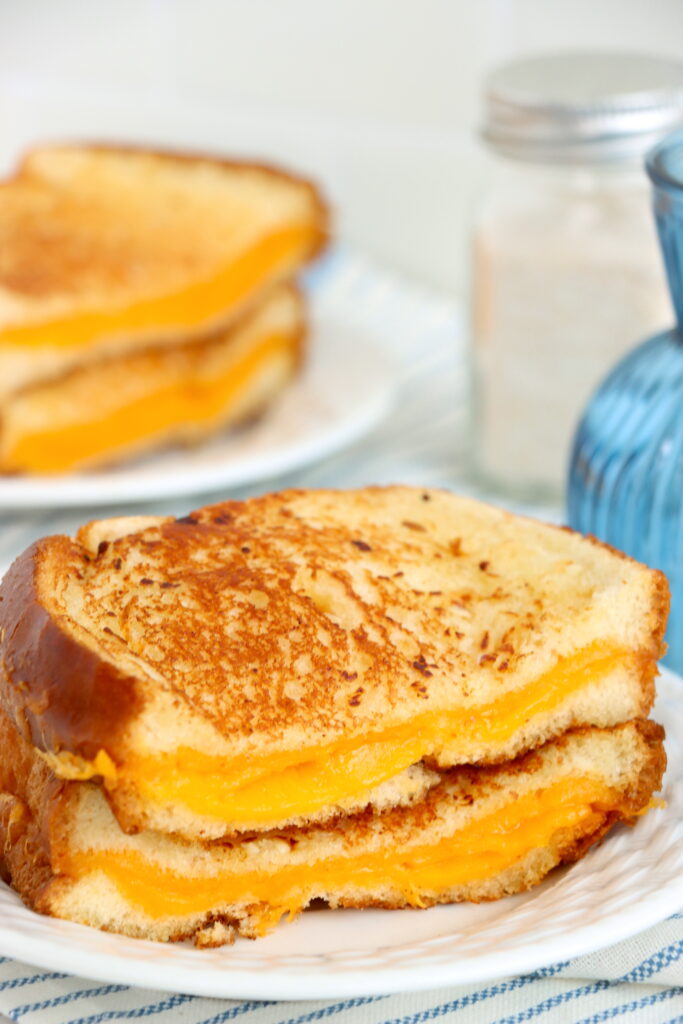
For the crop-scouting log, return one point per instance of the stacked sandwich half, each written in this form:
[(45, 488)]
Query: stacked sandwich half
[(385, 697), (145, 298)]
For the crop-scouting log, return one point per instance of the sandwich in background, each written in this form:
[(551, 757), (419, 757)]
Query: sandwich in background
[(252, 685), (111, 254), (115, 407)]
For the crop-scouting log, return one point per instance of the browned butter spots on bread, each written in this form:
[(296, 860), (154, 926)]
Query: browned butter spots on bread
[(317, 620)]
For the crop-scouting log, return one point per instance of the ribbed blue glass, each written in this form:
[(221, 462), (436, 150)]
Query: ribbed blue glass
[(626, 472)]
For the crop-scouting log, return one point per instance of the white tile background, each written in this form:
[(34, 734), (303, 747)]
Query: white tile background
[(378, 98)]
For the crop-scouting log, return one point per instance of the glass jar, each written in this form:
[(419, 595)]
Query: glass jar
[(566, 270), (626, 475)]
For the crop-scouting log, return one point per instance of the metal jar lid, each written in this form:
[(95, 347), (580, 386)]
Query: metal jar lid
[(586, 107)]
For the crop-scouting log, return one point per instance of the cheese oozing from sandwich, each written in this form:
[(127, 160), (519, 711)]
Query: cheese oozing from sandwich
[(192, 308), (195, 402), (260, 791), (476, 834), (480, 850), (114, 407)]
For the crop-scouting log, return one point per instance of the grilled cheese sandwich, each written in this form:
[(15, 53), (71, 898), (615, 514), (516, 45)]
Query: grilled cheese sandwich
[(268, 663), (109, 249)]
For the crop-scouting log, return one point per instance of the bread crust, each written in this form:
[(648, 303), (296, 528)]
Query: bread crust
[(58, 692), (191, 156), (187, 157), (74, 699), (660, 591)]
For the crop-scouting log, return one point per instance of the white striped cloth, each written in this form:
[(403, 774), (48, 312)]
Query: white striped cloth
[(640, 981), (423, 442)]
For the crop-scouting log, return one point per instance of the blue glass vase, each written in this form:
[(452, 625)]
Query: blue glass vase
[(626, 472)]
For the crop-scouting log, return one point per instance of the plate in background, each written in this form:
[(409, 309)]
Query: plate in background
[(345, 389), (630, 882)]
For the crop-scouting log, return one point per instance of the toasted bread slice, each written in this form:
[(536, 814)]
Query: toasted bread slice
[(115, 248), (256, 662), (115, 407), (480, 834)]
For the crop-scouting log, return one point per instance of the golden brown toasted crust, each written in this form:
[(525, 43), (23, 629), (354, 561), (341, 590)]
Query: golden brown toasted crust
[(32, 800), (52, 264), (60, 692), (310, 579), (190, 157)]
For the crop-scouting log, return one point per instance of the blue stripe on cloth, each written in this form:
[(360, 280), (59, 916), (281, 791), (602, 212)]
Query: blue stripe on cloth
[(438, 1011), (141, 1011), (329, 1011), (68, 997), (235, 1011), (635, 1004), (552, 1001), (29, 979), (657, 962), (641, 972)]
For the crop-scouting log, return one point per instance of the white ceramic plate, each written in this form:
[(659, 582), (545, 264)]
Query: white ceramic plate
[(345, 389), (629, 883)]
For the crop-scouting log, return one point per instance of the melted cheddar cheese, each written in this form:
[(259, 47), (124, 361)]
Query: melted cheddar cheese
[(258, 791), (479, 850), (194, 306), (199, 400)]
